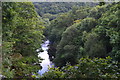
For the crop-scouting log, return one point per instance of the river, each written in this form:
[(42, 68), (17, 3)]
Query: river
[(46, 62)]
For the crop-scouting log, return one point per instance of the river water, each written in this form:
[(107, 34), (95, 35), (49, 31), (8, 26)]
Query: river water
[(46, 62)]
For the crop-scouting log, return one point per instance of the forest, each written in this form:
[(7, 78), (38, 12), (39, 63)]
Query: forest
[(84, 39)]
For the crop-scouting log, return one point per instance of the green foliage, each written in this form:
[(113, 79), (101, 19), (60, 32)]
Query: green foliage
[(96, 12), (49, 16), (56, 28), (87, 24), (25, 66), (53, 73), (108, 30), (60, 24), (85, 31), (29, 31), (93, 46), (102, 3), (81, 31), (67, 49), (56, 7), (22, 34), (87, 68)]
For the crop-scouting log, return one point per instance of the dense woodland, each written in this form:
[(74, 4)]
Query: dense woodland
[(22, 35), (84, 39), (51, 10)]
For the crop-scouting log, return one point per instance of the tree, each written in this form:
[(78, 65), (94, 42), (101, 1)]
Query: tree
[(93, 46), (101, 3), (67, 49), (86, 68), (108, 30), (22, 34)]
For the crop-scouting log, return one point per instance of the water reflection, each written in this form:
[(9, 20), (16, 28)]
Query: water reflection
[(46, 62)]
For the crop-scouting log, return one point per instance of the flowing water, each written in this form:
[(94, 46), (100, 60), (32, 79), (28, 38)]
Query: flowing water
[(46, 62)]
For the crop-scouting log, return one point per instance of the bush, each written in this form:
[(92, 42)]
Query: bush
[(87, 68)]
